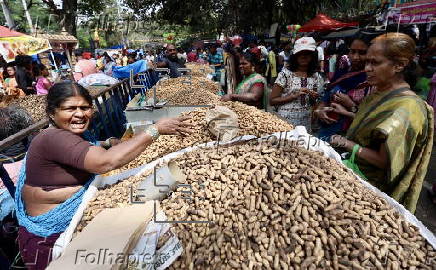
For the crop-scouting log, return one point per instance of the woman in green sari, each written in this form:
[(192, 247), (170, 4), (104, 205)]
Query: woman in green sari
[(251, 89), (392, 132)]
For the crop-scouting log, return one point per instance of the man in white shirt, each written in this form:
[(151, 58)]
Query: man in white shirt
[(285, 55)]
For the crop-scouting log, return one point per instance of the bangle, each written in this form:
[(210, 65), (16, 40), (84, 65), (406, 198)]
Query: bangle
[(153, 132), (107, 143), (354, 109)]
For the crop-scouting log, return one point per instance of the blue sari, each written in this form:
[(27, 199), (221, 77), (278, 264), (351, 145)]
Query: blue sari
[(344, 84)]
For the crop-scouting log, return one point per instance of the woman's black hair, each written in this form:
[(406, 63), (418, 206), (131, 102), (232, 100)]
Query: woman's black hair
[(42, 67), (410, 74), (251, 57), (364, 37), (5, 71), (60, 91), (331, 48), (23, 60), (343, 49), (78, 52), (38, 68), (36, 71), (313, 65), (107, 57)]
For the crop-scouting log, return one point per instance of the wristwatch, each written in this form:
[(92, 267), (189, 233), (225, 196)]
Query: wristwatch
[(354, 109), (153, 132)]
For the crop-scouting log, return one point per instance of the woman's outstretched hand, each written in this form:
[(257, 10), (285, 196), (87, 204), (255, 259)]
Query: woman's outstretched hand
[(227, 97), (174, 126)]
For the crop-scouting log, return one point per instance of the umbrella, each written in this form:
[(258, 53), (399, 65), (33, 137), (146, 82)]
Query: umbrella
[(322, 22)]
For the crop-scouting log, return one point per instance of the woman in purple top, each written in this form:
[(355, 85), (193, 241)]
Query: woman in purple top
[(61, 163)]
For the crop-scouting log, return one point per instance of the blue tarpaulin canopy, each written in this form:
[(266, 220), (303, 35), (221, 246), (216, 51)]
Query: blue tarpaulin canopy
[(120, 46), (124, 72)]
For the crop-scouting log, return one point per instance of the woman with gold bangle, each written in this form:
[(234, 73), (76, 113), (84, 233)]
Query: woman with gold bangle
[(393, 126), (60, 164)]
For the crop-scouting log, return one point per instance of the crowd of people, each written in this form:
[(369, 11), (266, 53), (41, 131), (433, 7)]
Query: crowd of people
[(372, 97), (24, 77), (360, 95)]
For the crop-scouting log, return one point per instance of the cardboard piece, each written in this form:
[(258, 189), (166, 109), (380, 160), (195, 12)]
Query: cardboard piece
[(108, 240)]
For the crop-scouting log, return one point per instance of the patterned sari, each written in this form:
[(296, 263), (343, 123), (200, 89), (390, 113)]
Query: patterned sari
[(248, 82), (299, 111), (404, 123)]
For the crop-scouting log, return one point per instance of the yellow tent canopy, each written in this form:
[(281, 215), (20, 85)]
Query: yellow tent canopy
[(13, 43)]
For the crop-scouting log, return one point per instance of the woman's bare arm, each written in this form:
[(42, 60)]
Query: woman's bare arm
[(378, 158), (253, 96), (99, 160)]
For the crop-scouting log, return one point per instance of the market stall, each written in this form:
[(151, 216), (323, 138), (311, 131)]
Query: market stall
[(268, 196), (342, 33), (279, 201), (62, 46), (255, 192)]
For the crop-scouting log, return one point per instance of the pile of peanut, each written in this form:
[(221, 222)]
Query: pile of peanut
[(286, 208), (199, 70), (33, 104), (193, 96), (186, 91), (111, 196), (251, 122)]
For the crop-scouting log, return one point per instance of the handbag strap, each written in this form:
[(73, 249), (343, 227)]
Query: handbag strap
[(380, 102)]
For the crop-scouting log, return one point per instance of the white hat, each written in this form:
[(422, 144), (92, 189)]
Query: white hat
[(304, 44)]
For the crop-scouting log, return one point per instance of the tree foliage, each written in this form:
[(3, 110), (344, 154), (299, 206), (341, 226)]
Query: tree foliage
[(234, 15), (117, 20), (39, 13), (242, 15)]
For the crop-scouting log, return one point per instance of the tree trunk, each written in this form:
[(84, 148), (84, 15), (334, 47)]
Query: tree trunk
[(7, 14), (29, 19), (70, 13)]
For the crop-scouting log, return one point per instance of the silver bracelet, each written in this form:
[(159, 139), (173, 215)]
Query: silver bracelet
[(153, 132)]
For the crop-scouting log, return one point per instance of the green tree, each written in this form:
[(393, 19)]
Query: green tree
[(39, 13), (229, 15)]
